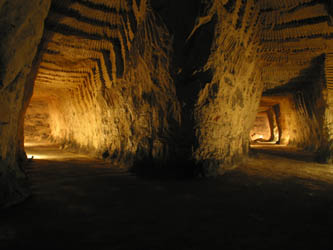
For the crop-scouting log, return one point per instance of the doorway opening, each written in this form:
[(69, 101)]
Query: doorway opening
[(266, 129)]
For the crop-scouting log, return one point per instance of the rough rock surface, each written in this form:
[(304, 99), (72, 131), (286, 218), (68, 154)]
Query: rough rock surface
[(36, 122), (21, 29), (226, 106)]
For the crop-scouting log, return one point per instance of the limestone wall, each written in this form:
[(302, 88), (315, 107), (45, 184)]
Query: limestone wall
[(21, 29), (36, 122), (227, 106), (307, 130)]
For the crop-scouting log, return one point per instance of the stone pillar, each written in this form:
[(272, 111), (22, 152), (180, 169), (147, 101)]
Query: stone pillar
[(226, 107)]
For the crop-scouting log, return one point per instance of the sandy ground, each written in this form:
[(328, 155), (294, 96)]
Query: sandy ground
[(269, 202)]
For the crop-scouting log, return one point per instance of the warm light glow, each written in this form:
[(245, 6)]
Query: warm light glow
[(49, 151), (34, 156), (261, 129), (35, 150), (34, 144)]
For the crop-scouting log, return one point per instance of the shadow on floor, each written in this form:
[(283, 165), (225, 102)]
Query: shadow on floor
[(268, 203)]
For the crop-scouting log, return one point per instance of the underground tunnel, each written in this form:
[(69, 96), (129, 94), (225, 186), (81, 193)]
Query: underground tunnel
[(124, 81), (266, 128), (163, 88)]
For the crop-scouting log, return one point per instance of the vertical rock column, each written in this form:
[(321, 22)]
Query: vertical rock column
[(227, 106), (21, 29)]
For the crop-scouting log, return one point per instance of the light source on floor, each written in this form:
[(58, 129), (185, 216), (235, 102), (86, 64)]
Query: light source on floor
[(34, 156)]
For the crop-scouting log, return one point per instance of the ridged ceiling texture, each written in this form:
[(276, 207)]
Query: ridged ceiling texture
[(293, 34), (88, 41)]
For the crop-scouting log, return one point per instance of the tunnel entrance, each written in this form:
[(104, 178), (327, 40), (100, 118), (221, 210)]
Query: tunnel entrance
[(284, 127), (266, 129)]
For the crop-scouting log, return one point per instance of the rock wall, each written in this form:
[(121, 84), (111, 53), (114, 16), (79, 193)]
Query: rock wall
[(21, 28), (36, 122), (310, 108), (227, 106)]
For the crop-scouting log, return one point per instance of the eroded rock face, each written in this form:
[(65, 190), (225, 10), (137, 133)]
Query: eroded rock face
[(226, 106), (21, 26)]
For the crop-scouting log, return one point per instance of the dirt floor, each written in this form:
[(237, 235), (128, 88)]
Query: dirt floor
[(269, 202)]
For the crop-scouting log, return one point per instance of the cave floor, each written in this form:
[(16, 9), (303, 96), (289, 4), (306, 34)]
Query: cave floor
[(284, 151), (269, 202)]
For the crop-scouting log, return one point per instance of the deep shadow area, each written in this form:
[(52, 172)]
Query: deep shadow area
[(304, 81), (267, 203)]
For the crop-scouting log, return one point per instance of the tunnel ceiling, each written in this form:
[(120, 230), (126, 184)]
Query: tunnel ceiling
[(86, 39), (294, 33), (87, 42)]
